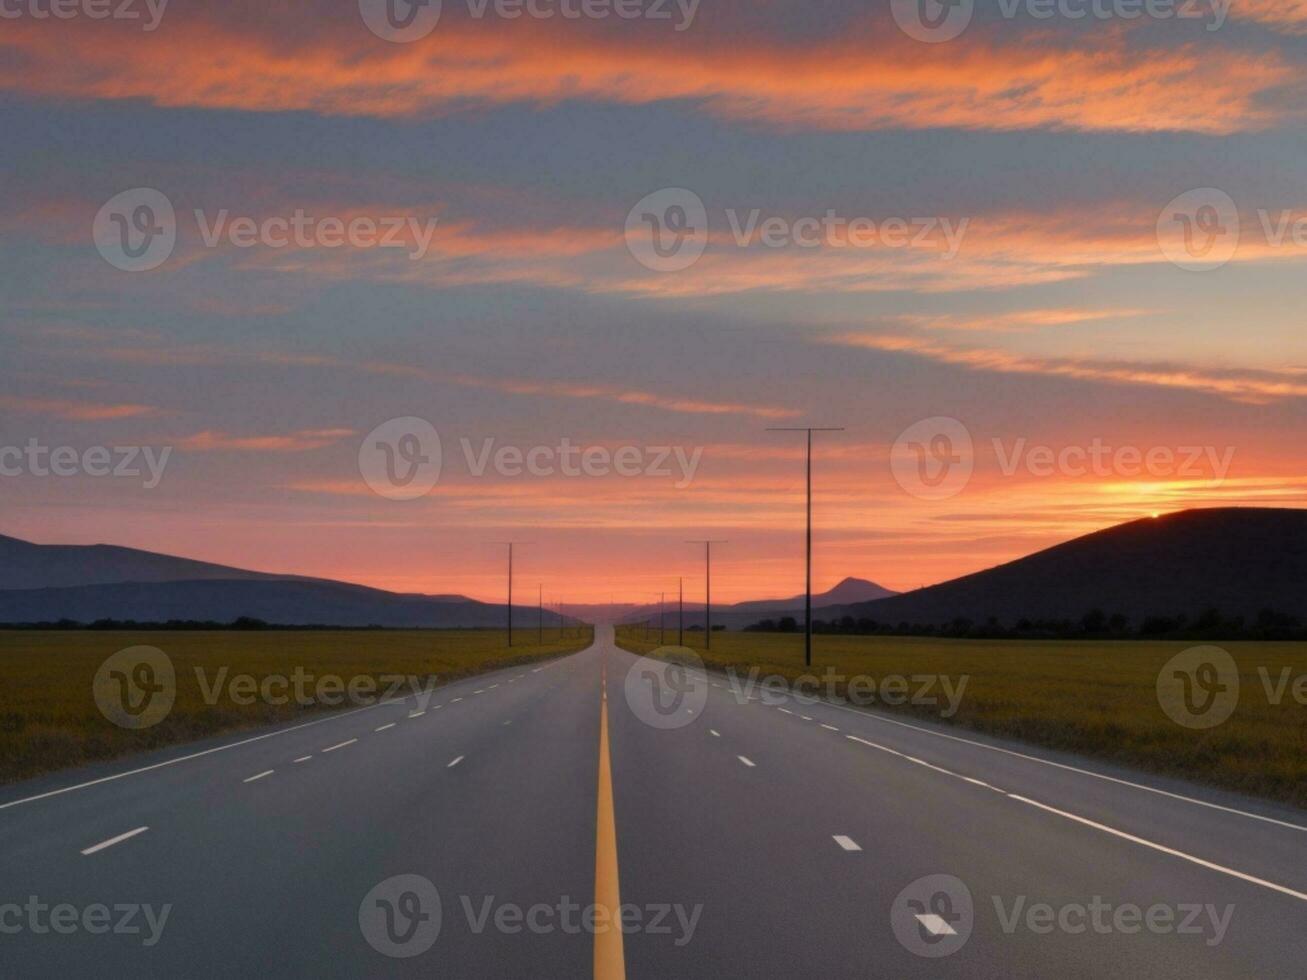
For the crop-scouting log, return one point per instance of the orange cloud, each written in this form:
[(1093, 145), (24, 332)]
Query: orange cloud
[(1285, 16), (1017, 321), (74, 411), (870, 77), (1252, 387), (295, 442), (627, 396)]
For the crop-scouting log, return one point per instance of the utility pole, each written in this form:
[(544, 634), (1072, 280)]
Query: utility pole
[(807, 589), (680, 611), (510, 586), (662, 619), (541, 622), (707, 585)]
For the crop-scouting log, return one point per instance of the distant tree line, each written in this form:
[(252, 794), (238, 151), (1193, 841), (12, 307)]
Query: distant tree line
[(240, 623), (1269, 624)]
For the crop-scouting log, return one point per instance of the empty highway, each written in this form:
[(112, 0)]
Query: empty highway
[(736, 834)]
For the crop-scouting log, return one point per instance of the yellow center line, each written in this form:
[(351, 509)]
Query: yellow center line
[(610, 955)]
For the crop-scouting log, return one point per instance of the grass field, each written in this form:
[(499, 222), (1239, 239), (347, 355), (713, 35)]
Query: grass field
[(1094, 698), (49, 718)]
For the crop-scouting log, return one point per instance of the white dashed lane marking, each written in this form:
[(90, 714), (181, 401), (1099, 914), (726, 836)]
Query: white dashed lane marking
[(114, 840), (848, 843), (747, 762), (340, 745), (454, 763), (267, 772), (934, 925)]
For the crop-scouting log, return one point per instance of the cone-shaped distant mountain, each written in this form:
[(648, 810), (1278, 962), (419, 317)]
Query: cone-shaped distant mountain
[(848, 591), (1239, 561)]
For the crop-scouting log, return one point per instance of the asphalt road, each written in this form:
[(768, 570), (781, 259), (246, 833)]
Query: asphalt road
[(755, 836)]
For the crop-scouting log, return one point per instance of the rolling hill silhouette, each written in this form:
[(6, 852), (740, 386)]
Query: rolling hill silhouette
[(85, 583), (1233, 559)]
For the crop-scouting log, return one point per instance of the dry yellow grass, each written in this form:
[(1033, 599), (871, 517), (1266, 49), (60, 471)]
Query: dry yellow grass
[(49, 718), (1097, 698)]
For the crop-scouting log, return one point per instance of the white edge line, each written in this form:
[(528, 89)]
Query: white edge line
[(1301, 896), (114, 840), (1061, 765), (874, 716)]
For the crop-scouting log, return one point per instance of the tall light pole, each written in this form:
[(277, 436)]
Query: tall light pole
[(807, 590), (707, 585)]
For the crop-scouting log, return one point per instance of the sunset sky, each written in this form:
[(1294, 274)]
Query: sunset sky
[(1053, 147)]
